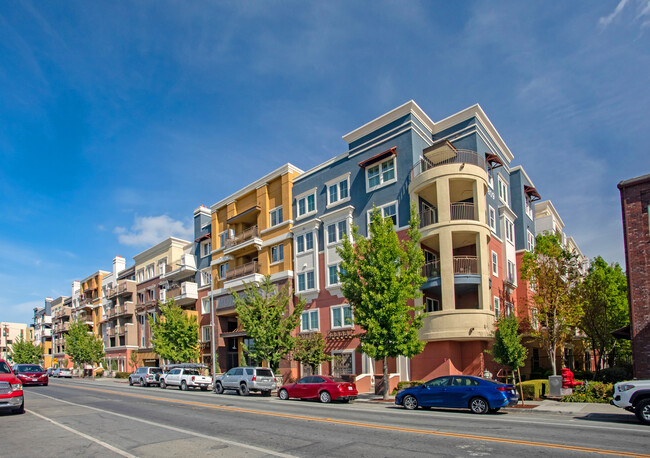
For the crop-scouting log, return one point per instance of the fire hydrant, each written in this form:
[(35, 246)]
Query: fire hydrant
[(567, 379)]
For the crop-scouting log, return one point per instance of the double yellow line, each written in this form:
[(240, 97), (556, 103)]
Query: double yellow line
[(381, 427)]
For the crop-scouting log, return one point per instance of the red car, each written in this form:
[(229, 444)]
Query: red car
[(11, 390), (319, 387), (31, 374)]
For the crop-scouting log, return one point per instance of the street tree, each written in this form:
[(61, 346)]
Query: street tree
[(133, 359), (174, 334), (553, 271), (26, 352), (380, 278), (507, 348), (604, 304), (310, 350), (83, 346), (265, 312)]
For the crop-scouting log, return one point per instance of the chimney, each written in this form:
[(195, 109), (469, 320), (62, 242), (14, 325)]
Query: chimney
[(119, 263)]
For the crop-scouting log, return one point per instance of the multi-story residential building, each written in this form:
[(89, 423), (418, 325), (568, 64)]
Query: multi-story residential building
[(9, 333), (89, 307), (61, 315), (150, 266), (251, 238), (203, 256), (635, 206), (120, 329), (43, 330)]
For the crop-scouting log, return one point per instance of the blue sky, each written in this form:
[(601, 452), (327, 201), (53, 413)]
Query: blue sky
[(118, 119)]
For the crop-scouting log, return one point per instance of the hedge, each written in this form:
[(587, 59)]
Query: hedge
[(592, 392), (533, 389), (403, 385), (122, 374)]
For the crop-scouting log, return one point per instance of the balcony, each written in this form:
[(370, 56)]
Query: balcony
[(62, 312), (463, 210), (466, 265), (241, 271), (449, 156), (125, 309), (458, 325), (184, 268), (428, 217), (184, 294), (431, 269), (245, 238)]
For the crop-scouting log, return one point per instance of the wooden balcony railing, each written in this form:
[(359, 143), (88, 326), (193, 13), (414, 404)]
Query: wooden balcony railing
[(240, 271), (243, 236), (465, 265)]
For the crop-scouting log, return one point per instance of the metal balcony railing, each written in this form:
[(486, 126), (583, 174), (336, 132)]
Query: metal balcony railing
[(465, 264), (463, 210), (243, 236), (240, 271), (428, 217), (431, 269), (461, 157)]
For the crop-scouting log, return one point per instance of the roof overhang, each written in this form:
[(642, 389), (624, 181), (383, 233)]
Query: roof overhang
[(378, 157), (532, 193)]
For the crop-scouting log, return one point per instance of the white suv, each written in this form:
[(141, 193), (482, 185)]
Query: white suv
[(634, 396)]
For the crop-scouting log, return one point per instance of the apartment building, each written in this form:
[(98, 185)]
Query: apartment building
[(10, 333), (89, 306), (150, 267), (203, 279), (43, 330), (61, 316), (251, 237)]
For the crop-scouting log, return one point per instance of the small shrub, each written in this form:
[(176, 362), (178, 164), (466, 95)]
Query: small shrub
[(593, 392), (122, 374), (583, 375), (613, 375)]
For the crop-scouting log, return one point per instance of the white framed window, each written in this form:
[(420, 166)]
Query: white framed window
[(206, 248), (300, 244), (528, 205), (497, 307), (333, 274), (503, 190), (508, 308), (495, 264), (490, 180), (205, 305), (277, 253), (305, 242), (381, 174), (276, 216), (530, 241), (510, 231), (305, 205), (492, 219), (309, 321), (534, 321), (306, 281), (206, 277), (388, 210), (223, 269), (206, 334), (150, 271), (338, 190), (433, 305), (151, 293), (223, 236), (335, 231), (162, 266), (511, 272), (341, 316)]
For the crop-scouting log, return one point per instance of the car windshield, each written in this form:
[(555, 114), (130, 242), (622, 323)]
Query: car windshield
[(264, 373), (4, 369), (29, 368)]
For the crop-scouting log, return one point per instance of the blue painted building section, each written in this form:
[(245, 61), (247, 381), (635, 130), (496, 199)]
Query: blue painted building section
[(202, 222), (525, 224)]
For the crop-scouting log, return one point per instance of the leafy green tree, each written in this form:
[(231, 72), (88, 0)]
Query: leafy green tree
[(174, 334), (133, 359), (265, 313), (553, 270), (604, 305), (310, 350), (25, 352), (380, 276), (508, 349), (82, 345)]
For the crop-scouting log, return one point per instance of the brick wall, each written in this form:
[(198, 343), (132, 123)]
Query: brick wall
[(635, 199)]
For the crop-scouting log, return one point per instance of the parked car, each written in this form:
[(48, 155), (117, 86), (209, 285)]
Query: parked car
[(31, 374), (146, 376), (325, 389), (185, 376), (634, 396), (62, 372), (11, 390), (50, 370), (246, 379), (459, 391)]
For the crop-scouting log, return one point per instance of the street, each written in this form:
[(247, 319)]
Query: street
[(105, 418)]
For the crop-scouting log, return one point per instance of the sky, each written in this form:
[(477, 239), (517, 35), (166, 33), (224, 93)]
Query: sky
[(118, 119)]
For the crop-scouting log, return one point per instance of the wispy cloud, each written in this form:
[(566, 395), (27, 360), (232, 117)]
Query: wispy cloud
[(606, 20), (152, 229)]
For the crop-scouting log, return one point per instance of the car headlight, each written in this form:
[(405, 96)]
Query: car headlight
[(627, 386), (16, 386)]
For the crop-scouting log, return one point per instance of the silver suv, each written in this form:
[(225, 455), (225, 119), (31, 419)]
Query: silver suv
[(246, 379), (634, 396), (145, 376)]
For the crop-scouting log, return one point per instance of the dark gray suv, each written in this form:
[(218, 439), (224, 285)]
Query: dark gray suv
[(246, 379), (146, 376)]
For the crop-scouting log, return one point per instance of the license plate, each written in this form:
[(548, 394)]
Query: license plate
[(350, 388)]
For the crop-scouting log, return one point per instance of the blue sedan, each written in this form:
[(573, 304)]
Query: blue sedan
[(461, 392)]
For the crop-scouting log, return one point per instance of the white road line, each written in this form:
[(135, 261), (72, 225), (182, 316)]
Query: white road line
[(85, 436), (171, 428)]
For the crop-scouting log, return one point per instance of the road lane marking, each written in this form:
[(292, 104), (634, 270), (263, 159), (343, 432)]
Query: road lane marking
[(363, 425), (171, 428), (85, 436)]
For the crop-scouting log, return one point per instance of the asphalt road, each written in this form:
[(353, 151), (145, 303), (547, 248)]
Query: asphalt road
[(103, 418)]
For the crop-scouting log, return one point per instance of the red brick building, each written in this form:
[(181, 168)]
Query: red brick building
[(635, 203)]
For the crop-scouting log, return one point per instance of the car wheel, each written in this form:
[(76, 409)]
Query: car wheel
[(283, 394), (218, 388), (163, 385), (410, 402), (324, 397), (478, 405), (130, 382), (183, 386), (243, 389), (642, 411)]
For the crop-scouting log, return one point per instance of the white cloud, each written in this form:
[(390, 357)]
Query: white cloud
[(149, 230), (606, 20)]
